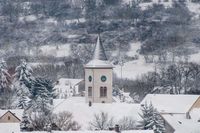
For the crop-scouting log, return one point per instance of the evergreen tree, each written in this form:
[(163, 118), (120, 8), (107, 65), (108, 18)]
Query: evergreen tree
[(158, 123), (151, 119), (23, 73), (23, 100), (24, 78), (42, 94), (25, 123)]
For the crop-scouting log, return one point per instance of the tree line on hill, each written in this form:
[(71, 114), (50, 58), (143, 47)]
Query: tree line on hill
[(177, 78), (157, 27)]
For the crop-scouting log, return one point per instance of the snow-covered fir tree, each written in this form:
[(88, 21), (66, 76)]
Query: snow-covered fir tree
[(23, 72), (158, 123), (151, 119), (23, 79), (23, 99), (42, 94), (25, 123)]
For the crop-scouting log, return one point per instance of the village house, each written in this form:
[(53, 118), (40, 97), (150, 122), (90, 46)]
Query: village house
[(66, 87), (10, 120), (11, 116), (177, 111)]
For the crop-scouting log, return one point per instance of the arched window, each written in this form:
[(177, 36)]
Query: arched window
[(89, 91), (103, 91)]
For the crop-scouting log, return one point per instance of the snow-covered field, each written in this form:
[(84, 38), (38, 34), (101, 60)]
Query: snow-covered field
[(133, 69)]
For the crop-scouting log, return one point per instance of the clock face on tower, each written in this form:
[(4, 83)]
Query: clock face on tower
[(90, 78), (103, 78)]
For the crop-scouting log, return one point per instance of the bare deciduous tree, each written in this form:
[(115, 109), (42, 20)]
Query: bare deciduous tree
[(101, 122), (64, 120)]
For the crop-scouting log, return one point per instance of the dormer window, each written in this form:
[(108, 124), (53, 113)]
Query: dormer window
[(8, 117)]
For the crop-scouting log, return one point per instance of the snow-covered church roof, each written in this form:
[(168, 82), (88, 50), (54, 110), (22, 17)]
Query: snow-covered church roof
[(99, 59)]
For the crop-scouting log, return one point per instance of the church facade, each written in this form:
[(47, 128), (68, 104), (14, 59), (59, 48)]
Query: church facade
[(98, 77)]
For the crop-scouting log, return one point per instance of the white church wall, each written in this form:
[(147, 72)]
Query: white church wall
[(96, 83)]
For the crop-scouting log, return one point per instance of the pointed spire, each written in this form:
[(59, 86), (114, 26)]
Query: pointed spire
[(99, 53)]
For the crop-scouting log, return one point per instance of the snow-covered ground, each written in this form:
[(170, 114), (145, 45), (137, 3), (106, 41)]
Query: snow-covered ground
[(28, 18), (133, 69), (192, 6), (195, 58), (70, 21), (36, 64), (130, 131), (84, 114), (61, 51), (9, 127)]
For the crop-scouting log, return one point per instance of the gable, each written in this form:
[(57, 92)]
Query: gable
[(196, 104), (9, 117)]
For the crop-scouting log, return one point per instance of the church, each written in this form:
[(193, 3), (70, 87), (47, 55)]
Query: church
[(98, 76)]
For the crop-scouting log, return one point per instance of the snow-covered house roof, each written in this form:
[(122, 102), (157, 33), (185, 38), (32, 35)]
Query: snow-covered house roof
[(181, 124), (9, 127), (68, 81), (176, 104), (17, 112), (99, 59), (84, 114)]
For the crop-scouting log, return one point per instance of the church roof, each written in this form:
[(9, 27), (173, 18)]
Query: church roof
[(99, 59), (99, 53)]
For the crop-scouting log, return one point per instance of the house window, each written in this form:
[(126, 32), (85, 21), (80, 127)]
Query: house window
[(89, 91), (103, 91), (8, 117)]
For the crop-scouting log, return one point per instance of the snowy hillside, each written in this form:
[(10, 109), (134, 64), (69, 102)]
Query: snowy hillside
[(133, 69)]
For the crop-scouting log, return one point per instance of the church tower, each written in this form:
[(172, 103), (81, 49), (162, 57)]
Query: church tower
[(98, 77)]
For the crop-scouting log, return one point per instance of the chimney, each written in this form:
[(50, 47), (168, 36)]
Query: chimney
[(188, 115), (117, 128)]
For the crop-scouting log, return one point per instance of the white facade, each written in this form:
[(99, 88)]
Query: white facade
[(98, 77), (66, 88), (97, 84)]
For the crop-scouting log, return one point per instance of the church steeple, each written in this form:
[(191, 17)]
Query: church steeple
[(98, 76), (99, 59), (99, 53)]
